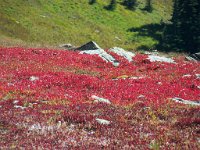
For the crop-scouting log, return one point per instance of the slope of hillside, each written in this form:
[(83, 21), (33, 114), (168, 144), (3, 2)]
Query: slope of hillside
[(53, 22)]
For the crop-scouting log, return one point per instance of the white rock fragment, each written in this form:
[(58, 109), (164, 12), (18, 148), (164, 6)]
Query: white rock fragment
[(33, 78), (99, 99), (141, 96), (21, 107), (198, 76), (180, 100), (121, 52), (136, 78), (103, 121), (186, 75), (68, 96), (10, 84), (35, 127), (154, 58), (42, 129), (15, 101), (103, 54), (198, 87), (147, 53)]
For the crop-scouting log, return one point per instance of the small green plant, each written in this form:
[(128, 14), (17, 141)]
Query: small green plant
[(154, 145)]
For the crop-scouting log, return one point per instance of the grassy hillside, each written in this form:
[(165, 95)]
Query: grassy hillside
[(50, 22)]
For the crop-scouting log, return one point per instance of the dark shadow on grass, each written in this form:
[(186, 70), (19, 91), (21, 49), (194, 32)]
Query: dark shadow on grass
[(150, 30)]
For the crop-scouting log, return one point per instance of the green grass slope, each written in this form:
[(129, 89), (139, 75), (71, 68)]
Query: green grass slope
[(55, 22)]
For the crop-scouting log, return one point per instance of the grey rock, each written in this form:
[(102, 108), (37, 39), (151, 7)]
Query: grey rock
[(99, 99), (33, 78), (188, 102), (154, 58), (93, 48), (194, 57), (67, 46), (121, 52), (89, 46), (103, 121)]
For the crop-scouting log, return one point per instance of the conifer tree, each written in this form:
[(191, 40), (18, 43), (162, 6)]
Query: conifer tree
[(92, 2), (112, 5), (130, 4), (184, 32), (148, 6)]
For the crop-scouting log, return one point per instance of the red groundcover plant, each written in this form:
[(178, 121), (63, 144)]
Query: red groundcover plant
[(43, 91)]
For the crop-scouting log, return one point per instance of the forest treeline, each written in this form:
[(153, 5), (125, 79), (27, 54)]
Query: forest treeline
[(181, 33)]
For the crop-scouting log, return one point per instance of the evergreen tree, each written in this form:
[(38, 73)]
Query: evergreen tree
[(92, 2), (130, 4), (184, 32), (148, 6), (112, 5)]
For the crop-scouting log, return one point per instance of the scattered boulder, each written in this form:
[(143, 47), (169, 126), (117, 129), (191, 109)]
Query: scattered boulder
[(186, 76), (93, 49), (33, 78), (194, 57), (99, 99), (136, 78), (154, 58), (198, 76), (15, 101), (121, 52), (21, 107), (67, 46), (89, 46), (103, 121), (180, 100)]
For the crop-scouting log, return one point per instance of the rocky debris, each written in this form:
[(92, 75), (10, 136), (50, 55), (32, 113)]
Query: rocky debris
[(42, 129), (121, 52), (21, 107), (198, 76), (128, 77), (186, 75), (33, 78), (103, 121), (188, 102), (136, 78), (93, 49), (194, 57), (67, 46), (99, 99), (15, 101), (154, 52), (141, 96), (10, 84), (154, 58), (159, 83)]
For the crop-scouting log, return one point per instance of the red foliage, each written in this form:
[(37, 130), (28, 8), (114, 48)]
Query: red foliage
[(37, 85)]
